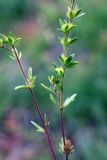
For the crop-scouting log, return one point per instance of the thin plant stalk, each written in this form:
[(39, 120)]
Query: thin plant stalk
[(62, 126), (56, 80), (72, 2), (34, 101), (66, 156), (61, 94)]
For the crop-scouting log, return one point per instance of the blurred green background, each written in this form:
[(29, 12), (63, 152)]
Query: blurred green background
[(86, 119)]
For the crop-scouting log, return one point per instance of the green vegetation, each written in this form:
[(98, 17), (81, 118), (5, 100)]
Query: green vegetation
[(86, 120)]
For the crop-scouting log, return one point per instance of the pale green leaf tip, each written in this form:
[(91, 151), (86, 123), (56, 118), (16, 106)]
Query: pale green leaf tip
[(21, 87), (69, 100), (39, 129)]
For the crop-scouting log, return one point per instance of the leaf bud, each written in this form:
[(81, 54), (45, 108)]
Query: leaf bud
[(1, 42)]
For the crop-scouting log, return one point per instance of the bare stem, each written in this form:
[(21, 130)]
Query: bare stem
[(66, 156), (72, 1), (61, 116), (35, 103), (62, 126)]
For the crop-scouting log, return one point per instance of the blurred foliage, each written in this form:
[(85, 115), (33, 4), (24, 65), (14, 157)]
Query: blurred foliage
[(36, 23)]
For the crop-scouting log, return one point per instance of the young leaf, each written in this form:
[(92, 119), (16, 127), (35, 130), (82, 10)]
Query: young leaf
[(63, 41), (17, 41), (69, 13), (1, 42), (69, 100), (38, 128), (54, 65), (62, 58), (11, 34), (21, 87), (20, 55), (32, 82), (47, 122), (77, 12), (10, 39), (66, 27), (61, 22), (47, 88), (69, 59), (61, 146), (70, 41), (80, 15), (31, 78), (71, 64), (2, 35), (13, 58), (30, 73), (52, 99)]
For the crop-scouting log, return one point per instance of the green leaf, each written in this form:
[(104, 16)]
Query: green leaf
[(61, 22), (1, 42), (61, 146), (70, 41), (63, 41), (32, 82), (20, 55), (52, 99), (13, 58), (71, 64), (69, 13), (66, 27), (21, 87), (47, 122), (30, 73), (47, 88), (69, 59), (38, 128), (11, 34), (80, 15), (62, 58), (10, 40), (77, 12), (66, 41), (31, 78), (69, 100), (54, 64), (59, 71), (2, 35), (17, 41)]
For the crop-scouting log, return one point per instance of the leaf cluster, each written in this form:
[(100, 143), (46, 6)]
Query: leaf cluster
[(9, 40), (30, 81), (67, 62), (57, 79)]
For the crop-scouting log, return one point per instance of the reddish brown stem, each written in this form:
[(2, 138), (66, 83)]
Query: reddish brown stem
[(63, 132), (62, 118), (62, 126), (72, 1), (35, 103), (66, 156)]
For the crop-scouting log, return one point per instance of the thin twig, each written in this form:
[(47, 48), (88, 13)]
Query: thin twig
[(62, 126), (35, 102), (61, 116), (66, 156), (72, 2)]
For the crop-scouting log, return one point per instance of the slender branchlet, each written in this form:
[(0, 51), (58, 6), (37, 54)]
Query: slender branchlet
[(72, 2), (9, 43), (56, 88)]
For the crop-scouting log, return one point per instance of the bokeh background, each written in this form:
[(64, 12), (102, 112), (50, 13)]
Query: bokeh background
[(36, 21)]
